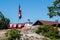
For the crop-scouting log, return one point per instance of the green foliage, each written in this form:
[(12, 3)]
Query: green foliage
[(4, 22), (42, 28), (37, 31), (55, 9), (45, 28), (48, 31), (53, 32), (13, 34), (57, 36)]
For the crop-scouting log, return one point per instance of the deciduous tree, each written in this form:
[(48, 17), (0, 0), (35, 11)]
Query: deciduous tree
[(55, 9)]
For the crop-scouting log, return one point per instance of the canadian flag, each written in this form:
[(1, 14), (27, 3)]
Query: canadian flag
[(20, 13)]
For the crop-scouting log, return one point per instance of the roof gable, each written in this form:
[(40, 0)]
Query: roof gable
[(46, 22)]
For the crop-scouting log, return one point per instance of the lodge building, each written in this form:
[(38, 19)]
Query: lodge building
[(43, 22), (38, 22)]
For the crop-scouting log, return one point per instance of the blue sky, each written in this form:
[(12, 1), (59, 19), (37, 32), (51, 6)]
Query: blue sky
[(31, 9)]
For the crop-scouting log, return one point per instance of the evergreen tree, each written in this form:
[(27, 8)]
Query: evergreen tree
[(4, 22)]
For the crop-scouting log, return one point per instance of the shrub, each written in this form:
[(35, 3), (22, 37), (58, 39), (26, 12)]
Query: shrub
[(57, 36), (37, 31), (42, 28), (48, 31), (13, 34)]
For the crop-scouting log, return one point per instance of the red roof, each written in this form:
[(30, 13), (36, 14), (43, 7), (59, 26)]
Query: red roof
[(47, 22)]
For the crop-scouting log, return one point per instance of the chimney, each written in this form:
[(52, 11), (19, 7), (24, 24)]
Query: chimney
[(57, 21)]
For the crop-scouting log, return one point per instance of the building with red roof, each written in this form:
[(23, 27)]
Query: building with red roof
[(41, 22)]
